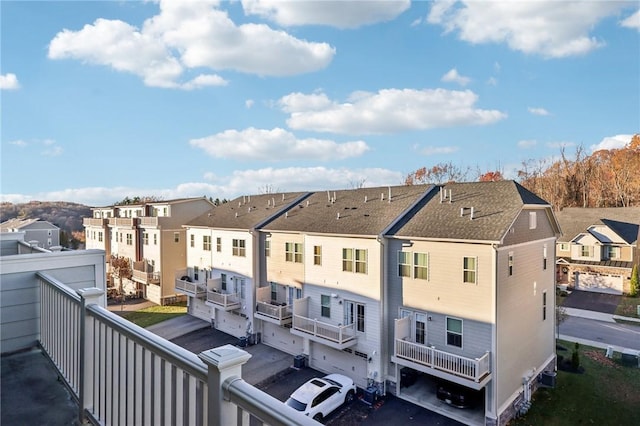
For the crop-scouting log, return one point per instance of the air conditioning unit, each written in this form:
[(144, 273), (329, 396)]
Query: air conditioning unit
[(548, 379)]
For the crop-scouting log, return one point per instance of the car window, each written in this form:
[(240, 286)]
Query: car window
[(294, 403), (324, 395)]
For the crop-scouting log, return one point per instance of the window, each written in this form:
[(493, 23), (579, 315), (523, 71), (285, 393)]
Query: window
[(176, 237), (129, 239), (420, 327), (355, 315), (49, 233), (404, 264), (544, 305), (357, 263), (469, 269), (361, 261), (420, 266), (274, 292), (613, 252), (533, 220), (238, 248), (218, 244), (145, 238), (544, 257), (454, 332), (193, 240), (206, 242), (585, 251), (155, 239), (347, 260), (267, 248), (120, 236), (510, 263), (317, 255), (564, 246), (196, 273), (293, 252), (223, 282), (242, 288), (100, 236), (325, 305)]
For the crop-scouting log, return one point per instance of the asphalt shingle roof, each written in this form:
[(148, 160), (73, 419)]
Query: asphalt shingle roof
[(625, 221), (495, 206), (363, 211)]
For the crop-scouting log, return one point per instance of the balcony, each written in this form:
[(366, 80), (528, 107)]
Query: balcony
[(471, 372), (336, 336), (153, 221), (186, 286), (118, 373), (123, 222), (219, 298), (272, 311), (142, 274), (92, 221)]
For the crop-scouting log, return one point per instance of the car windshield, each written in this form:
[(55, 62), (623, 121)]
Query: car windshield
[(294, 403), (333, 382)]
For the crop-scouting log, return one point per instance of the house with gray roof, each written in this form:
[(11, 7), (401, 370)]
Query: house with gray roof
[(45, 234), (598, 248)]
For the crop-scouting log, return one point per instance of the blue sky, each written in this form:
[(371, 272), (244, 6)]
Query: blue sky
[(106, 99)]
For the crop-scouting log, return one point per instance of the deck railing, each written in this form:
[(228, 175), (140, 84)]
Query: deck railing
[(123, 374), (223, 299), (469, 368), (279, 312), (335, 333), (191, 288)]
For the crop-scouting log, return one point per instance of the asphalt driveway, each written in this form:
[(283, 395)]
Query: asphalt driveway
[(592, 301)]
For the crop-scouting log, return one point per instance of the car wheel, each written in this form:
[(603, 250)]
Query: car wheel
[(318, 417), (350, 397)]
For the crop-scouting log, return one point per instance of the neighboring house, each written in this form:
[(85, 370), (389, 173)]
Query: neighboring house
[(223, 258), (150, 235), (452, 282), (45, 234), (471, 297), (20, 262), (598, 248)]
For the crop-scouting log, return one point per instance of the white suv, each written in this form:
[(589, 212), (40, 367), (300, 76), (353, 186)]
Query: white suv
[(319, 397)]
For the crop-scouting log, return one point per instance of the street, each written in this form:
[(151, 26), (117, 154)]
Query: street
[(607, 333)]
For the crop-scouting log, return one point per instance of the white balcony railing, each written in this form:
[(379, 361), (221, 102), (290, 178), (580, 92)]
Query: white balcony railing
[(469, 368), (277, 312), (339, 334), (190, 288), (146, 277), (227, 301), (120, 373)]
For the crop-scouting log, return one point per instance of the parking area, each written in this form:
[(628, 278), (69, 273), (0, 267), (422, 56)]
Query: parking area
[(272, 371)]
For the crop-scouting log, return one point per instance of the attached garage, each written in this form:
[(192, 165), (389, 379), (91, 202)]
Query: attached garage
[(601, 283), (230, 323), (199, 309), (281, 338), (329, 360)]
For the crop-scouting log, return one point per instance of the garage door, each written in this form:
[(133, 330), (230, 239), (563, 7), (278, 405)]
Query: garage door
[(281, 338), (599, 283), (232, 324), (329, 360), (199, 309)]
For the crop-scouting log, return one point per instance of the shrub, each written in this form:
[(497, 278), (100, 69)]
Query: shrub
[(575, 357), (633, 290)]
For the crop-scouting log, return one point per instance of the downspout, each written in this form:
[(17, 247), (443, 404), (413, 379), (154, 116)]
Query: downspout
[(493, 406), (384, 315)]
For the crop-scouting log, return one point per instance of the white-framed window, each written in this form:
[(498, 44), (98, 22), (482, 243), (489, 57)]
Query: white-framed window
[(100, 236), (354, 314), (544, 257), (206, 242), (613, 252), (274, 291), (218, 244), (420, 327), (192, 240), (421, 266), (354, 260), (145, 238), (544, 305), (242, 287), (347, 259), (155, 239), (176, 237), (325, 305), (454, 332), (293, 252), (533, 220), (238, 248), (469, 269), (564, 246), (404, 264), (317, 255), (510, 263), (267, 248), (361, 261), (223, 282), (585, 251), (129, 239)]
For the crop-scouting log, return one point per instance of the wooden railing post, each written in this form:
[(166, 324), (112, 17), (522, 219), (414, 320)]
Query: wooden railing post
[(222, 363), (88, 296)]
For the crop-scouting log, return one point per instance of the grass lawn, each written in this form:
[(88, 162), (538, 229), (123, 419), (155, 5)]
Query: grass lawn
[(155, 314), (606, 393), (628, 306)]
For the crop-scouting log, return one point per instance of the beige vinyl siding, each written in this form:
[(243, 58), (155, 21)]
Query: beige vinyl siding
[(278, 269), (524, 340), (520, 232), (626, 254), (445, 290), (173, 258)]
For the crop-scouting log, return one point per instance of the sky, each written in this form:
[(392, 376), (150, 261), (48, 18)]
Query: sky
[(102, 100)]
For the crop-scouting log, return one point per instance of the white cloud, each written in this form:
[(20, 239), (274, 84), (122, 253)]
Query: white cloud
[(538, 111), (612, 142), (492, 81), (9, 82), (19, 143), (452, 76), (416, 22), (552, 29), (388, 111), (186, 36), (526, 144), (275, 145), (435, 150), (249, 103), (238, 183), (632, 21), (339, 14)]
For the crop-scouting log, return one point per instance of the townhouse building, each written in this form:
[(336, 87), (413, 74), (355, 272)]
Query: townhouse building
[(223, 260), (598, 248), (41, 232), (151, 237), (399, 288)]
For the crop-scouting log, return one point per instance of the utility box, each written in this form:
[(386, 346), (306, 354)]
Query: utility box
[(299, 361), (631, 357), (370, 395), (548, 378)]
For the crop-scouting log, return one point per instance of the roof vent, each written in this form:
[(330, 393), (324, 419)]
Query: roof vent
[(307, 203), (286, 214), (389, 194), (338, 215), (382, 196), (236, 214), (365, 198), (282, 197)]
